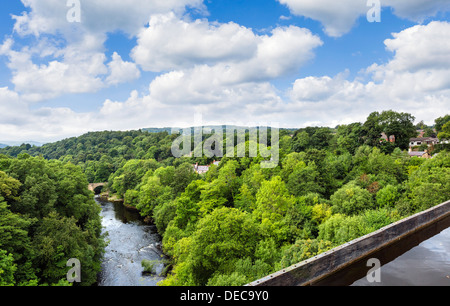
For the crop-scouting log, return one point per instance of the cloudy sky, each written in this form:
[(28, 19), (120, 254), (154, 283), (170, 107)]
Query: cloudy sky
[(157, 63)]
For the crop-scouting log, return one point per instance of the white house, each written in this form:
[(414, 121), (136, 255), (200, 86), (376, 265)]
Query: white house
[(429, 141), (203, 169)]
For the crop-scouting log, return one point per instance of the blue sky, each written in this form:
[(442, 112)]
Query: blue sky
[(158, 63)]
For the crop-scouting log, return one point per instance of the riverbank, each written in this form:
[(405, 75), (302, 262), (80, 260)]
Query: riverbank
[(106, 197)]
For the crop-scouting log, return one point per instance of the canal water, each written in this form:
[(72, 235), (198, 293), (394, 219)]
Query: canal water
[(421, 259), (427, 264), (130, 242)]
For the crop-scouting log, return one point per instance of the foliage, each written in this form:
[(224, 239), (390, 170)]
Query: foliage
[(47, 216), (388, 196), (441, 121), (401, 125), (445, 133), (302, 250), (149, 265), (102, 153), (351, 199), (220, 239), (429, 185), (273, 204), (7, 269), (340, 228)]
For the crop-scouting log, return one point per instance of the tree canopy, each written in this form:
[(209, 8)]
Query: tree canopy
[(47, 216)]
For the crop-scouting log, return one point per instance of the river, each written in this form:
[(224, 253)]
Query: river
[(130, 242)]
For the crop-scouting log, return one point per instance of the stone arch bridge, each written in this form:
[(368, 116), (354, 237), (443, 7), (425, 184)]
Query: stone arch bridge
[(93, 186)]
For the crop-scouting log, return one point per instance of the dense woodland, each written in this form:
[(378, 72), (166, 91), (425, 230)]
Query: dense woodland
[(230, 226), (47, 216)]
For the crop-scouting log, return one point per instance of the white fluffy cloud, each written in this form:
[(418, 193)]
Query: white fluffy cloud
[(99, 16), (421, 47), (67, 58), (203, 86), (170, 43), (416, 80), (421, 62), (284, 52), (338, 17), (417, 10), (79, 71), (202, 52), (121, 71), (19, 122)]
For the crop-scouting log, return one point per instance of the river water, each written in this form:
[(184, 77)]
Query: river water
[(130, 242)]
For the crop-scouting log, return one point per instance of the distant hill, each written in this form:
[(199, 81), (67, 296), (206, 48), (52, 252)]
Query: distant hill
[(4, 144), (101, 153), (169, 129), (92, 146), (158, 130)]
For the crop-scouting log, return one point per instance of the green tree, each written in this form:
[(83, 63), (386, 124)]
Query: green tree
[(163, 214), (245, 199), (440, 122), (445, 133), (289, 163), (321, 138), (302, 250), (15, 241), (383, 167), (305, 179), (131, 198), (273, 203), (151, 194), (165, 175), (351, 199), (377, 218), (427, 186), (38, 191), (59, 239), (401, 125), (221, 191), (220, 240), (131, 174), (182, 177), (9, 187), (246, 271), (340, 229), (388, 196), (301, 142), (349, 137), (7, 269), (429, 132)]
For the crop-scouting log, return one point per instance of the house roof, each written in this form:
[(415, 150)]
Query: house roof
[(417, 153), (424, 139)]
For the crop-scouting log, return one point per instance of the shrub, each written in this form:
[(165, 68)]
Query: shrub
[(351, 200)]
